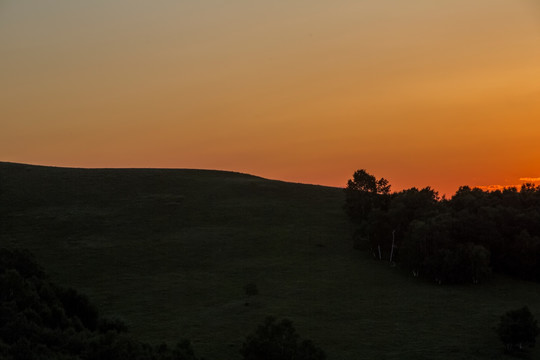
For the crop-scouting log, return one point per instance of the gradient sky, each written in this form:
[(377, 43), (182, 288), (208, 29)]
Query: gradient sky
[(421, 92)]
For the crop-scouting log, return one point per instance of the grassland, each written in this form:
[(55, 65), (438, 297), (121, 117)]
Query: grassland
[(169, 251)]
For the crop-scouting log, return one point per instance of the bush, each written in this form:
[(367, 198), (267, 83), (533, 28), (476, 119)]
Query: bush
[(518, 329), (279, 341)]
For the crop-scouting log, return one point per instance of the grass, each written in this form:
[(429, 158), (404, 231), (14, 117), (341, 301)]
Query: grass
[(170, 251)]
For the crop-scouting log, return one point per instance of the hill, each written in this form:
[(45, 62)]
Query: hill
[(169, 251)]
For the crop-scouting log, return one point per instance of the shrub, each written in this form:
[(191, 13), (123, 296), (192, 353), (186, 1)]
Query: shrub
[(518, 329), (275, 340)]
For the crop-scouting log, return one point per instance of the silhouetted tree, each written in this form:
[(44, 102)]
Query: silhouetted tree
[(518, 329), (275, 340), (363, 193), (78, 305)]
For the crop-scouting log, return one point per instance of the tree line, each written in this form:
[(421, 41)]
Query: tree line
[(457, 240)]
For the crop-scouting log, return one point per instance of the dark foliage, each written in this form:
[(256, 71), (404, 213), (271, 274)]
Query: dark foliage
[(22, 261), (275, 340), (518, 330), (364, 193), (39, 320), (450, 241)]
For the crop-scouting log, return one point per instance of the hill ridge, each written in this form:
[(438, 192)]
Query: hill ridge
[(9, 164)]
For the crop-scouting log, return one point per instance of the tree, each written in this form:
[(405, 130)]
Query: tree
[(275, 340), (518, 329), (414, 248), (365, 182), (405, 207), (363, 193), (479, 259)]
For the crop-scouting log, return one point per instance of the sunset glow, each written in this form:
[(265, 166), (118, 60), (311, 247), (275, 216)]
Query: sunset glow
[(422, 92)]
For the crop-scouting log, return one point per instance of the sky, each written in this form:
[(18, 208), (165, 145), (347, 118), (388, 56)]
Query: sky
[(424, 93)]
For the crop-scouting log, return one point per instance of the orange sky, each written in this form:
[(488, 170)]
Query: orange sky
[(422, 92)]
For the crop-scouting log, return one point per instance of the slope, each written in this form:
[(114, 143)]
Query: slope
[(169, 251)]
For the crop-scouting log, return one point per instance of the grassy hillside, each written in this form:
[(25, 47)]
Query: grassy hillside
[(169, 251)]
